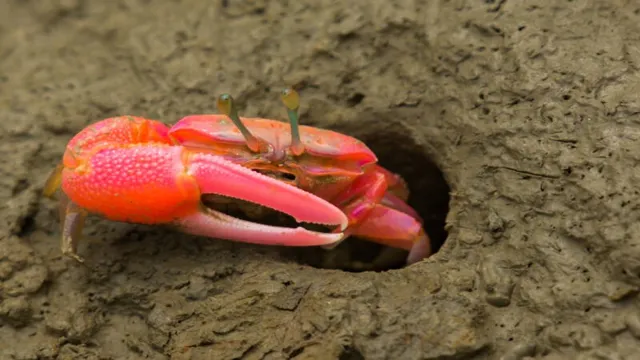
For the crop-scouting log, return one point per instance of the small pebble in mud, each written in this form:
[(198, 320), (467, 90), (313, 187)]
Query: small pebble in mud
[(618, 290), (600, 354), (197, 288), (289, 298), (627, 260), (633, 324), (6, 269), (498, 284), (27, 281), (577, 335), (469, 237), (57, 323), (83, 325), (609, 322), (15, 311), (78, 326), (519, 352), (496, 224)]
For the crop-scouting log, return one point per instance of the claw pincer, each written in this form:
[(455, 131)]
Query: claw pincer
[(136, 170)]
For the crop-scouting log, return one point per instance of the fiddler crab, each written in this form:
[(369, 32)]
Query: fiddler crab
[(137, 170)]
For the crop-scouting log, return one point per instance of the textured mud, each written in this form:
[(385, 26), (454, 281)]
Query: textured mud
[(530, 112)]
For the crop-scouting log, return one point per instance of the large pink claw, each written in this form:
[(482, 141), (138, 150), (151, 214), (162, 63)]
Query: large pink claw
[(214, 175)]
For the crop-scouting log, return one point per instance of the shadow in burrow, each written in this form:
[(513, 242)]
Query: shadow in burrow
[(391, 140)]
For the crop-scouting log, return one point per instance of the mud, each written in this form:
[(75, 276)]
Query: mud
[(530, 112)]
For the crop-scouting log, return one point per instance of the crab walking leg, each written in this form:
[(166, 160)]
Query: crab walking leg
[(71, 216), (397, 229), (72, 223), (395, 183), (359, 199), (394, 202), (397, 193), (421, 248)]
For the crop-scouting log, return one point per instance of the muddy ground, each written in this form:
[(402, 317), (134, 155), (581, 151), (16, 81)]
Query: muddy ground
[(529, 110)]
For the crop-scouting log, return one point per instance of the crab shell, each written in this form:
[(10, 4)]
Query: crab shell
[(330, 160)]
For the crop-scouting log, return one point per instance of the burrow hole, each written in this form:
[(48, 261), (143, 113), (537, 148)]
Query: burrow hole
[(350, 353), (429, 196)]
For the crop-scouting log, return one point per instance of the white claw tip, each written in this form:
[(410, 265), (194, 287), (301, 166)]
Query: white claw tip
[(344, 225)]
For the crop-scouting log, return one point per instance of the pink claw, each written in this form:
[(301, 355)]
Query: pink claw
[(214, 175)]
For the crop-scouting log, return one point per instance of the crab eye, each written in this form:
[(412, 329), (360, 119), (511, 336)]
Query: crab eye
[(291, 100), (227, 107)]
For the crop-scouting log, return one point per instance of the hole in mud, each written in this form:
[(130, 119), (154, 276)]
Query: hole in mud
[(355, 99), (429, 196), (350, 353)]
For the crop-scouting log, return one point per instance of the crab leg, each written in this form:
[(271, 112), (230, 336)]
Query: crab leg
[(362, 196), (395, 202), (359, 199), (395, 228), (72, 218), (395, 183), (380, 216)]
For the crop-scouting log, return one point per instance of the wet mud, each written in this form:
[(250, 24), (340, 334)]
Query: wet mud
[(516, 125)]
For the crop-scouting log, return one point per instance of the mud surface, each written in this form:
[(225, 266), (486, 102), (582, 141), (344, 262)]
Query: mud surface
[(530, 112)]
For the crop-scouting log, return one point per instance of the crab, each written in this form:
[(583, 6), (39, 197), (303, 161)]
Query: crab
[(137, 170)]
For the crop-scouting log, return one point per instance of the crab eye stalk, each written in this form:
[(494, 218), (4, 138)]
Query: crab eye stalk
[(226, 106), (291, 100)]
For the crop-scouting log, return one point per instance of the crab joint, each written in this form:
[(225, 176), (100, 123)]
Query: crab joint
[(291, 100), (227, 106)]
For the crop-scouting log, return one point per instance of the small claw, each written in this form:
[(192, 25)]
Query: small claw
[(215, 175), (213, 224)]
